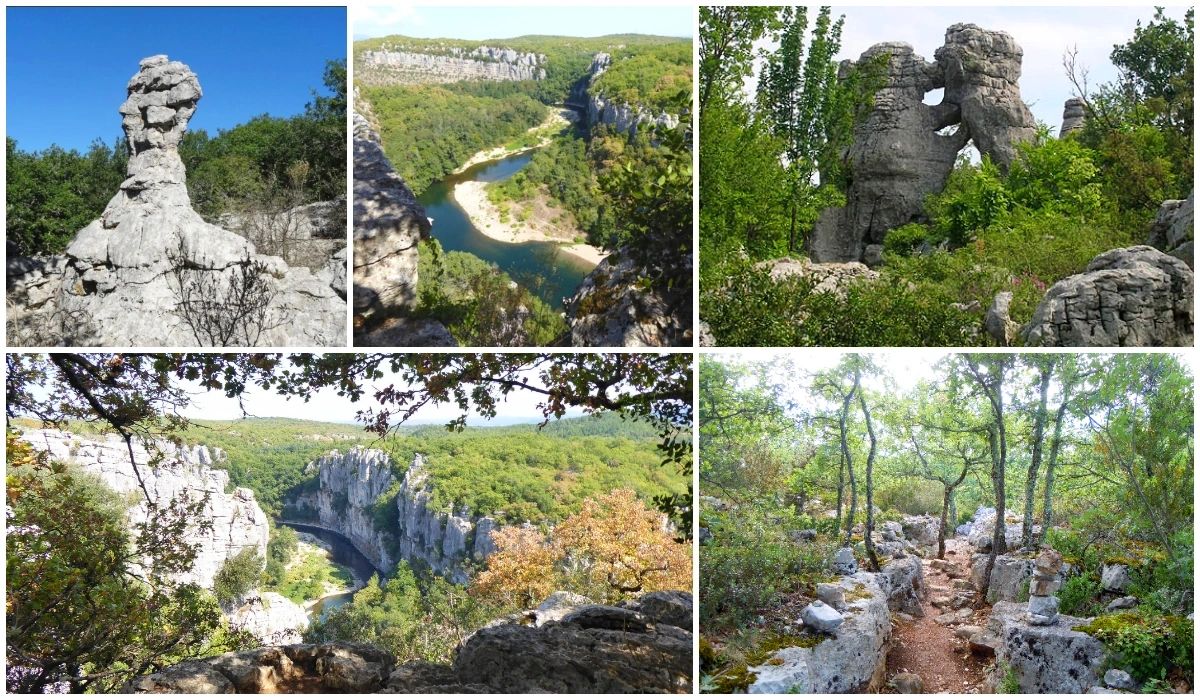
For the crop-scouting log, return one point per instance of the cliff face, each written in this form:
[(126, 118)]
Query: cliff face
[(237, 521), (619, 115), (358, 497), (481, 63), (389, 224)]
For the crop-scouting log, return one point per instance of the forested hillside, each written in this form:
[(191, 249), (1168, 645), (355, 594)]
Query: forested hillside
[(887, 464), (775, 161), (264, 164)]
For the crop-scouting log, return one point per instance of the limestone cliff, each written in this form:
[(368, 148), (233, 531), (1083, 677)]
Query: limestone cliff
[(613, 112), (388, 226), (389, 517), (411, 65), (185, 472)]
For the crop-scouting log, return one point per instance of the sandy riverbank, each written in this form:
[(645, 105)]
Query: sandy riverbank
[(555, 122), (472, 197), (312, 544)]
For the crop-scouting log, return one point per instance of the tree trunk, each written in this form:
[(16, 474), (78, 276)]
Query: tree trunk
[(1035, 461), (947, 496), (953, 523), (841, 492), (849, 461), (1051, 463), (995, 442), (870, 545)]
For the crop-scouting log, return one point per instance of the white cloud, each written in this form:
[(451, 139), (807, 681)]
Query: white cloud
[(382, 20)]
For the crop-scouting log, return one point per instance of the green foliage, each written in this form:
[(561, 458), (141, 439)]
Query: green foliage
[(907, 239), (973, 198), (1010, 684), (910, 496), (750, 563), (1146, 645), (753, 309), (79, 613), (1080, 596), (309, 573), (237, 575), (414, 618), (658, 76), (428, 131), (52, 194), (475, 300), (1055, 175)]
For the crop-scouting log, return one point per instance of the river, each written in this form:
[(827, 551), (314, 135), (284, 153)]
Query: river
[(341, 552), (537, 266)]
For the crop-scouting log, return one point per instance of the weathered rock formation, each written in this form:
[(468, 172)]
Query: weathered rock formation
[(1009, 576), (185, 473), (854, 660), (982, 69), (310, 235), (1138, 297), (270, 617), (388, 225), (410, 65), (1049, 658), (900, 153), (613, 308), (1173, 230), (150, 271), (637, 647), (351, 485), (1074, 117)]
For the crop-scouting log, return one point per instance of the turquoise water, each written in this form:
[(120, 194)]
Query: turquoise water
[(539, 267)]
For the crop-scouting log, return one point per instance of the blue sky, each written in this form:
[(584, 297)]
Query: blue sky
[(1044, 33), (67, 67), (450, 22)]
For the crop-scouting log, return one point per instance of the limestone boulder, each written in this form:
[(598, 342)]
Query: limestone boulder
[(1009, 576), (1128, 297), (819, 617), (1074, 117), (1115, 578), (613, 307), (903, 582), (1173, 230), (270, 617), (854, 660), (1047, 658)]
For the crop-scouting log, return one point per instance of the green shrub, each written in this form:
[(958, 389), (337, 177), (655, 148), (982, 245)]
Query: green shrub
[(1009, 683), (1055, 175), (1080, 596), (1146, 645), (973, 198), (237, 575), (911, 496), (905, 239)]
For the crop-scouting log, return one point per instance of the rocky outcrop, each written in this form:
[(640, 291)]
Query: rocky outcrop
[(615, 113), (1129, 297), (349, 485), (1010, 576), (1074, 117), (903, 582), (1173, 230), (830, 278), (340, 667), (150, 271), (183, 473), (32, 287), (1049, 658), (854, 660), (270, 617), (641, 646), (388, 226), (308, 235), (450, 65), (982, 69), (613, 308), (983, 525), (356, 487), (903, 151)]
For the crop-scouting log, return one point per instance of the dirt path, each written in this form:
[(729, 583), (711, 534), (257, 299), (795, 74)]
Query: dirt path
[(930, 648)]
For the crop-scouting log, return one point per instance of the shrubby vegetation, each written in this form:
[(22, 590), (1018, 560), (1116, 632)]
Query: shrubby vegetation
[(264, 164), (1094, 454), (237, 576), (83, 613), (1063, 202), (476, 301)]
